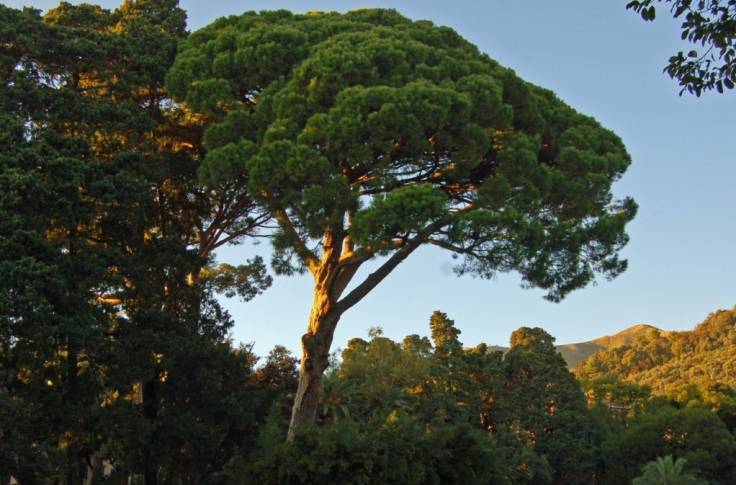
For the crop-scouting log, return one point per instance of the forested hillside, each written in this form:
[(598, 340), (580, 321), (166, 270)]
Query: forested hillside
[(574, 354), (669, 362)]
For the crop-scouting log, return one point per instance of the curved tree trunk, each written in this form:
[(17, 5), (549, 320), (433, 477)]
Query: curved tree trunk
[(315, 358), (332, 274)]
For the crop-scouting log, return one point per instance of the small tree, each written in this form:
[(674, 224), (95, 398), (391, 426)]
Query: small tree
[(666, 471), (367, 135)]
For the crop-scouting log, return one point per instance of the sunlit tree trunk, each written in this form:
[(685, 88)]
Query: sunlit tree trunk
[(315, 358), (332, 274)]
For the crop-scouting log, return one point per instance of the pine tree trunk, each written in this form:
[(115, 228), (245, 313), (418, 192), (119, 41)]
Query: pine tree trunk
[(332, 277), (315, 357)]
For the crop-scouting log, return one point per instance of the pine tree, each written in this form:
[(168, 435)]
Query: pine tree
[(367, 135)]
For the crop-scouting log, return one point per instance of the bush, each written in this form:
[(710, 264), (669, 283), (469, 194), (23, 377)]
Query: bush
[(395, 449)]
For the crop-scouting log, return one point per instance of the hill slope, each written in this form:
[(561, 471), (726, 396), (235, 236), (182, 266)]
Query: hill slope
[(574, 354), (668, 361)]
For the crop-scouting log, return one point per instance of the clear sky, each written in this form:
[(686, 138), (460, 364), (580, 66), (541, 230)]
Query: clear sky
[(605, 62)]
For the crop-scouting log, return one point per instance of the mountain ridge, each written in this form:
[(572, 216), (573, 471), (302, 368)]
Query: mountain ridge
[(699, 360), (577, 352)]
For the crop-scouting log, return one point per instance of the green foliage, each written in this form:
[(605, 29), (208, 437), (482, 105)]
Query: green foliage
[(710, 23), (403, 211), (415, 401), (392, 450), (374, 378), (278, 378), (379, 131), (551, 408), (671, 362), (246, 280), (103, 317), (52, 327), (665, 471), (696, 435), (527, 400), (622, 399), (24, 453), (444, 334)]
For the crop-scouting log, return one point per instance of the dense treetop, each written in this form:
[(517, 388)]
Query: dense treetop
[(393, 133)]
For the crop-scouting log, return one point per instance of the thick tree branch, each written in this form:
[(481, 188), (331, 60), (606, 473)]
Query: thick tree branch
[(373, 279), (347, 267), (398, 183)]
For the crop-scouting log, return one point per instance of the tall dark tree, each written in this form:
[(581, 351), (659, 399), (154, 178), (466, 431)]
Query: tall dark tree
[(367, 135), (109, 275), (549, 406), (53, 326)]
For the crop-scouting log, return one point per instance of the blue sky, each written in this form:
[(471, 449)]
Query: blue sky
[(605, 62)]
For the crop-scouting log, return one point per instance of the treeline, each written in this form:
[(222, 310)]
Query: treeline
[(389, 407), (417, 411)]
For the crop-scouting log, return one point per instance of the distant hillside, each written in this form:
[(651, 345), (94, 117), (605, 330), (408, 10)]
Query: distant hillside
[(668, 361), (576, 353)]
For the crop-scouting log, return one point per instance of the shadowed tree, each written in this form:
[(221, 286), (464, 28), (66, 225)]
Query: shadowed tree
[(367, 135), (545, 401), (52, 328), (107, 274), (279, 377)]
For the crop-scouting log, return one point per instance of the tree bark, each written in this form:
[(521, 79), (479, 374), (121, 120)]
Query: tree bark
[(150, 412), (331, 279), (315, 358)]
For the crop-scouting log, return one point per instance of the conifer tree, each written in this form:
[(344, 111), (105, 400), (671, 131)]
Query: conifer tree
[(108, 279), (367, 135)]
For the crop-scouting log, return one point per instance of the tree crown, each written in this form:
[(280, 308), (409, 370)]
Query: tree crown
[(367, 133)]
